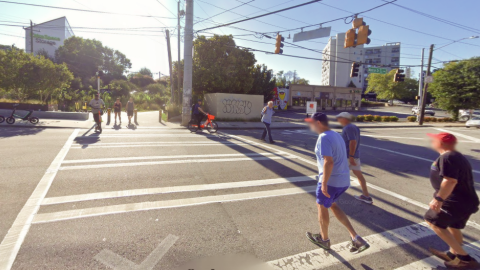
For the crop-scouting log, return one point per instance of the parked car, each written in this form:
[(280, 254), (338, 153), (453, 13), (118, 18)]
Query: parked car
[(416, 111), (396, 101), (465, 114), (474, 122)]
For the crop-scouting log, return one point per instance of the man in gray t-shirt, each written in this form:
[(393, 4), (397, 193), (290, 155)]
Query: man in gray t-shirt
[(351, 136), (97, 104)]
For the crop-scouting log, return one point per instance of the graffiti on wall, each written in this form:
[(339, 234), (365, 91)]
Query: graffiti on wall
[(237, 106), (280, 98)]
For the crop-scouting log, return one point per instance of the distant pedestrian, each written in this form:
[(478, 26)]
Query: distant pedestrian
[(334, 180), (117, 108), (351, 136), (130, 108), (97, 105), (267, 113), (454, 200)]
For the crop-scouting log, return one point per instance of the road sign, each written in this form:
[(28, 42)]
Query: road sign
[(311, 107), (313, 34), (377, 70), (429, 79)]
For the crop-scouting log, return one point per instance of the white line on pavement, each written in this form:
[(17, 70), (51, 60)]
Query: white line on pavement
[(406, 138), (175, 189), (320, 259), (434, 263), (407, 155), (459, 135), (146, 135), (126, 143), (155, 205), (164, 157), (13, 240), (130, 164), (156, 145)]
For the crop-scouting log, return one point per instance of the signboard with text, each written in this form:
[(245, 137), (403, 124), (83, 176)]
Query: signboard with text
[(311, 107), (377, 70)]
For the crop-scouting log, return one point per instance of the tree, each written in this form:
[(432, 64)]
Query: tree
[(25, 75), (220, 67), (385, 88), (284, 79), (141, 80), (303, 81), (145, 71), (456, 86), (281, 79), (263, 82)]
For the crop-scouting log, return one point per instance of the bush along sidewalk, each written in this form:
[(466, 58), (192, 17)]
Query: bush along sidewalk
[(376, 118), (431, 119)]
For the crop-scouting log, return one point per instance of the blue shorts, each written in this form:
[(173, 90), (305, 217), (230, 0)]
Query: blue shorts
[(334, 193)]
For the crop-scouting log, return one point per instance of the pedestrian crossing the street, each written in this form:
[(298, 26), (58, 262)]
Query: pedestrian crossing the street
[(106, 190)]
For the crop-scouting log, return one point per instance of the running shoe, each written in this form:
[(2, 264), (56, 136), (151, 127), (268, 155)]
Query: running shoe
[(459, 264), (359, 245), (317, 240), (364, 199)]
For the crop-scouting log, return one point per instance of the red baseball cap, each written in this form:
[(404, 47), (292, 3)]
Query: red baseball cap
[(444, 137)]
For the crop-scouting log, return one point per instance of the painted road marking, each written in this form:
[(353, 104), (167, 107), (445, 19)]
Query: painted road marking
[(155, 205), (127, 143), (407, 155), (135, 135), (175, 189), (115, 261), (16, 234), (154, 145), (320, 258), (146, 163), (164, 157), (433, 262), (459, 135)]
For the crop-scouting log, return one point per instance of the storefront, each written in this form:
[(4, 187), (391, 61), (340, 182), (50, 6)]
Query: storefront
[(327, 97)]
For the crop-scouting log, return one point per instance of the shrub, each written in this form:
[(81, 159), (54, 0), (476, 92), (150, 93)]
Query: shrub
[(369, 117), (411, 118), (434, 119), (427, 119), (448, 119), (393, 119), (440, 120), (385, 118), (360, 118), (377, 118)]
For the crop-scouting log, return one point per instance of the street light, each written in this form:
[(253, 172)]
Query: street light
[(471, 37)]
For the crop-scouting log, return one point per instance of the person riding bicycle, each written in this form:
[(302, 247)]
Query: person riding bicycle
[(97, 104), (197, 113)]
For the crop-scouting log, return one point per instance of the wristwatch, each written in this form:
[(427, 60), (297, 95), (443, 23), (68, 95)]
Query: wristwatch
[(439, 199), (352, 156)]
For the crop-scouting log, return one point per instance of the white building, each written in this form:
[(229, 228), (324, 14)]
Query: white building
[(337, 61), (47, 36)]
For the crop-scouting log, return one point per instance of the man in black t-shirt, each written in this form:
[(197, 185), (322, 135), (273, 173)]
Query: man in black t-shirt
[(454, 200)]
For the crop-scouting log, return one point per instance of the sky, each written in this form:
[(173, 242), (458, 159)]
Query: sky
[(146, 45)]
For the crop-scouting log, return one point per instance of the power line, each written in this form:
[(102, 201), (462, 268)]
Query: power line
[(225, 10), (166, 8), (263, 15), (85, 10), (11, 35)]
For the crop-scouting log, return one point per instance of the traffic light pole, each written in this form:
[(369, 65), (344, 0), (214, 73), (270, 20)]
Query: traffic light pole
[(178, 63), (425, 89), (167, 35), (420, 81)]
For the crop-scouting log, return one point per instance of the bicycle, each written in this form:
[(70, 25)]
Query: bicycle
[(211, 126), (27, 117)]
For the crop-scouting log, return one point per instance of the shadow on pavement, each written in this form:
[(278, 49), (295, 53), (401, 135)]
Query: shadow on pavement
[(18, 131)]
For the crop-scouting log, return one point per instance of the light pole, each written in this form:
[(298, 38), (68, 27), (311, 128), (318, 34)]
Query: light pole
[(471, 37)]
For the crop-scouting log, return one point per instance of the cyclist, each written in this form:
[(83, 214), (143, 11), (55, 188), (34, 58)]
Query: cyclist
[(97, 104), (197, 113)]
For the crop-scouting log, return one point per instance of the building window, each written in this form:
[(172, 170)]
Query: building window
[(368, 61), (395, 59), (300, 101), (375, 51), (368, 51), (377, 60), (395, 50)]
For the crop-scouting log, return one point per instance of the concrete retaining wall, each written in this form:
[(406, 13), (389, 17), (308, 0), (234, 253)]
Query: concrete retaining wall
[(50, 115), (234, 106)]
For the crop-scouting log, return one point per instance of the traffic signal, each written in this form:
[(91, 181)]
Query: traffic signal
[(399, 77), (357, 22), (363, 33), (355, 70), (350, 38), (279, 44)]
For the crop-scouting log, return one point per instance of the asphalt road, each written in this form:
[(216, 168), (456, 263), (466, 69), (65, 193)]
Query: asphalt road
[(157, 197)]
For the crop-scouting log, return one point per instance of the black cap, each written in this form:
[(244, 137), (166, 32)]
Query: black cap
[(318, 116)]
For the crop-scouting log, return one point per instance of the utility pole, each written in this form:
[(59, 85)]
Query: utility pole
[(420, 85), (179, 41), (31, 36), (167, 35), (187, 63), (425, 89)]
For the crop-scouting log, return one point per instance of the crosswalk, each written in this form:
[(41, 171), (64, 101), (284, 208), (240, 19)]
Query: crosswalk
[(236, 182)]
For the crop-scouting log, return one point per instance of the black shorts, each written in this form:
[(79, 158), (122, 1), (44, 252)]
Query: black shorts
[(446, 219), (130, 113), (96, 117), (116, 110)]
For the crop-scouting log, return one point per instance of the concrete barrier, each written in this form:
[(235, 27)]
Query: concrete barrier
[(49, 115)]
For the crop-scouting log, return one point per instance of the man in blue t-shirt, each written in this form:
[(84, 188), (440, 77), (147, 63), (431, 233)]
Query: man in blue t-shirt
[(197, 113), (334, 180), (351, 136)]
